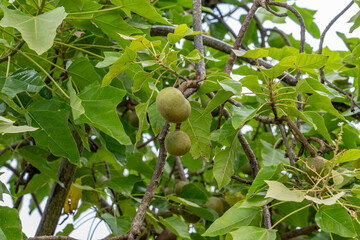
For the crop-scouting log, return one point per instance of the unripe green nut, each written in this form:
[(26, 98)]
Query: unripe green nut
[(215, 204), (178, 187), (315, 166), (172, 105), (132, 118), (177, 143)]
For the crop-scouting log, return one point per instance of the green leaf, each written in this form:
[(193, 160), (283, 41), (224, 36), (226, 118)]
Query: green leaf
[(10, 223), (157, 122), (319, 122), (297, 218), (310, 85), (7, 126), (233, 218), (324, 103), (220, 97), (252, 233), (119, 225), (255, 54), (177, 226), (232, 86), (194, 192), (335, 219), (97, 107), (252, 83), (272, 156), (197, 126), (135, 162), (280, 192), (223, 166), (180, 32), (120, 65), (83, 73), (51, 117), (140, 78), (241, 115), (110, 58), (310, 61), (194, 56), (348, 156), (141, 7), (38, 31), (22, 80), (265, 173), (141, 110), (112, 23)]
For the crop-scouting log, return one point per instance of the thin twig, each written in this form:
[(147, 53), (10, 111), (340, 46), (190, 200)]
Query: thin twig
[(12, 52), (180, 168), (239, 179), (146, 143)]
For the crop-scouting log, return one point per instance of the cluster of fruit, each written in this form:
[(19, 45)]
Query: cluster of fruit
[(175, 108)]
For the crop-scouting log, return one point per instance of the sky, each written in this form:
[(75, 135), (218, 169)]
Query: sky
[(327, 9)]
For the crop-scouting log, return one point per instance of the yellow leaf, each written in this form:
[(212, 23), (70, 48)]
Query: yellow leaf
[(73, 197)]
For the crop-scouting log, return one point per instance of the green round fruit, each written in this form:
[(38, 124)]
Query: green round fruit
[(132, 118), (314, 167), (215, 204), (177, 143), (190, 218), (172, 105), (179, 186)]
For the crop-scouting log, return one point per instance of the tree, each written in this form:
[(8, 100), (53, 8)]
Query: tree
[(79, 82)]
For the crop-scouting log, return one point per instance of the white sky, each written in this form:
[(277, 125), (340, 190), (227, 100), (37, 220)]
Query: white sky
[(327, 9)]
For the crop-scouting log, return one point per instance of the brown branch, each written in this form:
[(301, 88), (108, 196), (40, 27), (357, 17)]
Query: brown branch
[(230, 63), (51, 238), (330, 25), (180, 168), (239, 179), (259, 25), (292, 126), (298, 232), (146, 143), (223, 47), (198, 42), (323, 144), (155, 180), (300, 19)]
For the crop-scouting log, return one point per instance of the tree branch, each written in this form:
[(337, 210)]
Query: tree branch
[(155, 180), (298, 232), (230, 63), (239, 179), (12, 52), (198, 42)]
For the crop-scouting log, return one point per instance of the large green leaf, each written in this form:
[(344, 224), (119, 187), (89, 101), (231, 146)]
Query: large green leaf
[(177, 226), (156, 120), (348, 156), (335, 219), (112, 23), (319, 122), (324, 103), (194, 192), (271, 156), (220, 97), (197, 126), (241, 115), (233, 218), (22, 80), (97, 107), (38, 31), (223, 166), (51, 117), (10, 223), (141, 7), (83, 73), (252, 233)]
